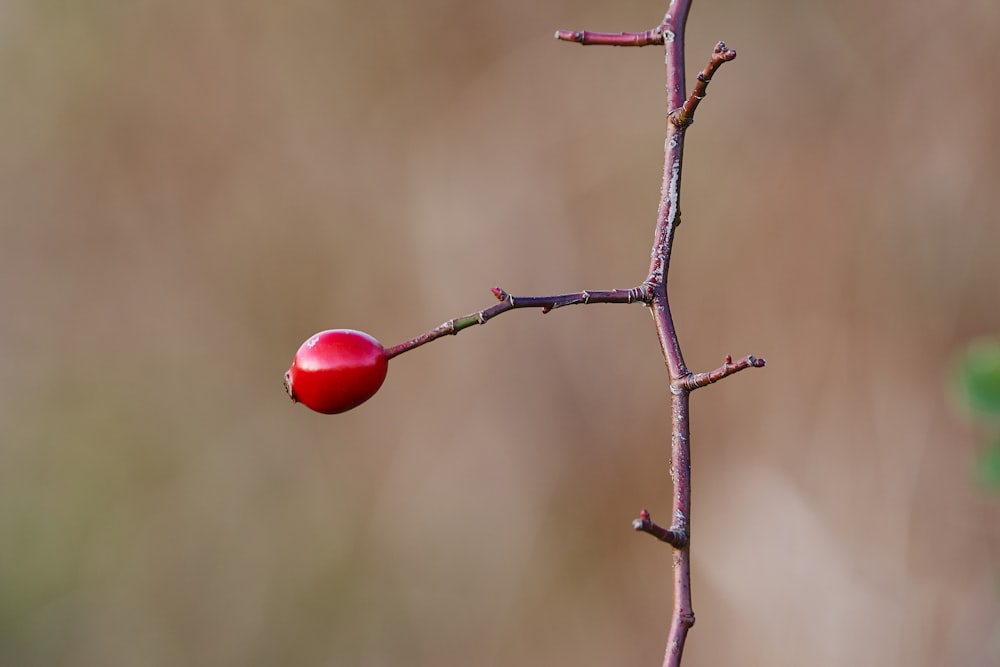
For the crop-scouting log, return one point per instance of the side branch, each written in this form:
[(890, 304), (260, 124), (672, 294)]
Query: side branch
[(685, 115), (587, 38), (695, 380), (674, 537), (639, 294)]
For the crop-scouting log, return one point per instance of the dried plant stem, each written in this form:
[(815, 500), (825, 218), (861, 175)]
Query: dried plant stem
[(652, 293), (680, 115)]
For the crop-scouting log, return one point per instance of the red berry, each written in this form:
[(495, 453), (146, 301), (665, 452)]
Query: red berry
[(336, 370)]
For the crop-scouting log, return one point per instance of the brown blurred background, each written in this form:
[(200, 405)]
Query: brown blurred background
[(191, 189)]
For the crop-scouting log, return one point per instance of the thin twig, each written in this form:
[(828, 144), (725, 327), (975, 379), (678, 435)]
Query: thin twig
[(684, 116), (697, 380), (587, 38)]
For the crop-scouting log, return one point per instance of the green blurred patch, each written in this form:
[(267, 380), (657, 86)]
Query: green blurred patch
[(988, 465), (979, 377), (978, 387)]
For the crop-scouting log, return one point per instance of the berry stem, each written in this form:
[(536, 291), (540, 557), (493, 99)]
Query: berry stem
[(638, 294)]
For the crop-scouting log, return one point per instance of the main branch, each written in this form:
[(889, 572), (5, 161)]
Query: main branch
[(679, 114)]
